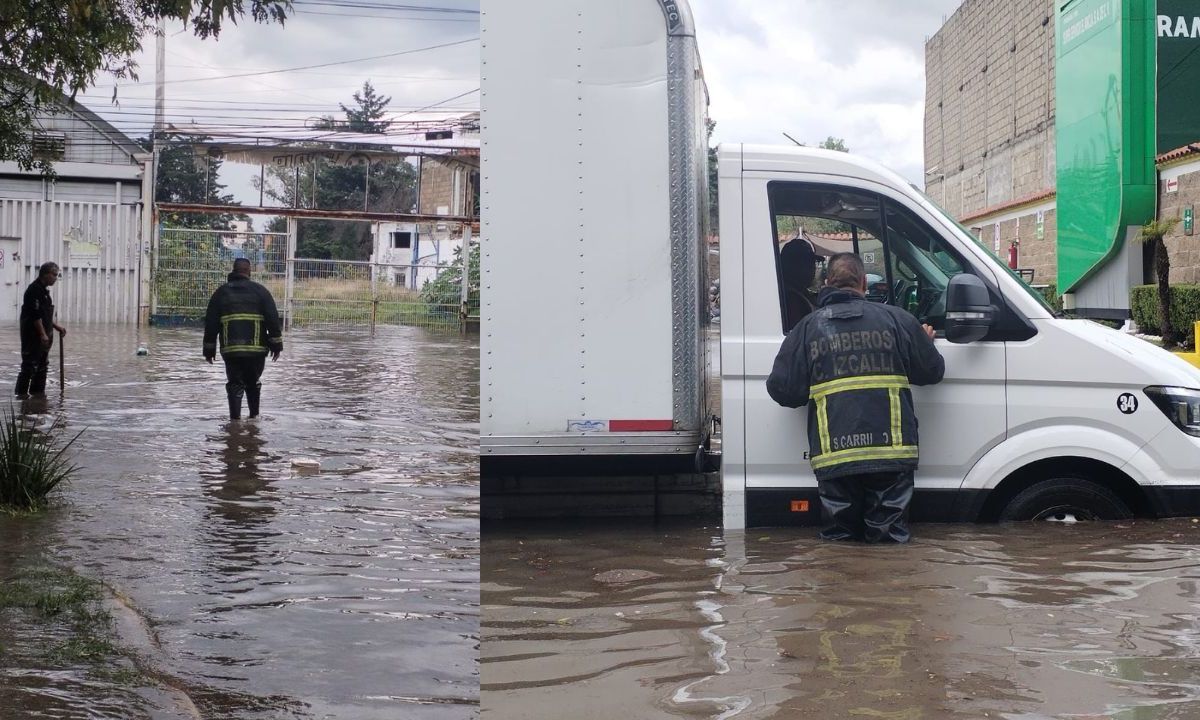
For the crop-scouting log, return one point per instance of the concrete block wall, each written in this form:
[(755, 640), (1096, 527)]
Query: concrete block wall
[(437, 186), (989, 104), (1040, 254)]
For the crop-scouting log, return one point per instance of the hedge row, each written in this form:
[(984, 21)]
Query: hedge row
[(1185, 309)]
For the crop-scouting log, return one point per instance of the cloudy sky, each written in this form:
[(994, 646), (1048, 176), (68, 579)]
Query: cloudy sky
[(811, 68)]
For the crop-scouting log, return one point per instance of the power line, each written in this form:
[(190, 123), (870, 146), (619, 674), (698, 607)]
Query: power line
[(311, 67), (437, 104), (387, 17), (423, 78), (387, 6)]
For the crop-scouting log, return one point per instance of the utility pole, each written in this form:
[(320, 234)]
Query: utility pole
[(160, 92), (150, 194)]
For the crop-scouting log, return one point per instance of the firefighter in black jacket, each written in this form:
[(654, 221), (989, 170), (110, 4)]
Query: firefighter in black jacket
[(242, 314), (852, 362)]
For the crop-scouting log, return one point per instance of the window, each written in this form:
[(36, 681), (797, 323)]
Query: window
[(49, 146), (921, 266), (812, 223), (401, 240), (908, 264)]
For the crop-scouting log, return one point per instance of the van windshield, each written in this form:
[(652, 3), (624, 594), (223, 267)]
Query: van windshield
[(1039, 297)]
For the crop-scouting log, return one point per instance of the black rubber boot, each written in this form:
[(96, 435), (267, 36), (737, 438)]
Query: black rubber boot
[(253, 393), (886, 513), (234, 392), (842, 500)]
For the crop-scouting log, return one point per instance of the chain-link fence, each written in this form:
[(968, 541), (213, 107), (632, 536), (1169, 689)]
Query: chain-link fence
[(191, 264)]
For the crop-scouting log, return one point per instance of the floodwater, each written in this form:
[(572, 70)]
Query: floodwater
[(267, 591), (1024, 621)]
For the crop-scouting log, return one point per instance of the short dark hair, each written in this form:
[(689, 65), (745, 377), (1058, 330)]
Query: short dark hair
[(845, 270), (47, 268), (241, 266)]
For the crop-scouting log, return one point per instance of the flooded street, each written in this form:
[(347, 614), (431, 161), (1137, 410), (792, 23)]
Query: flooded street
[(1021, 622), (265, 590)]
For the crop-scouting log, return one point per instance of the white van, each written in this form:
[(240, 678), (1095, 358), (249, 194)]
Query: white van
[(1038, 417), (594, 343)]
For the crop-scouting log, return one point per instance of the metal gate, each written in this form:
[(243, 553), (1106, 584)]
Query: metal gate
[(96, 245)]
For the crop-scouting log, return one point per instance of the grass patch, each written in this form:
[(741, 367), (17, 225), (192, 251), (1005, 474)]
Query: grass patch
[(32, 464), (48, 597), (327, 301)]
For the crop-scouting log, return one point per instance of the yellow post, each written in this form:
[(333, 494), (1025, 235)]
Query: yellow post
[(1194, 356)]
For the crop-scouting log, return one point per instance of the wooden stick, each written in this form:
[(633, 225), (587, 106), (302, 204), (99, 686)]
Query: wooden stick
[(62, 380)]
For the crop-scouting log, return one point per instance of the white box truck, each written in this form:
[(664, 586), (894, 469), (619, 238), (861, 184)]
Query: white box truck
[(594, 195)]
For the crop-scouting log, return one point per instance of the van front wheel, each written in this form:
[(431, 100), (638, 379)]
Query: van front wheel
[(1065, 500)]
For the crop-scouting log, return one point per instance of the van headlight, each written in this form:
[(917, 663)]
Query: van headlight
[(1181, 406)]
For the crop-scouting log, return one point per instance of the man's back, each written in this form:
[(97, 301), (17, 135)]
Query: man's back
[(242, 314), (852, 362)]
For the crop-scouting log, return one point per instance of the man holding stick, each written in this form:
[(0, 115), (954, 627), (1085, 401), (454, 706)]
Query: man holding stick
[(37, 332)]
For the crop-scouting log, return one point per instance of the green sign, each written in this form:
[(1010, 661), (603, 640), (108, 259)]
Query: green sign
[(1177, 29), (1105, 129), (1187, 220)]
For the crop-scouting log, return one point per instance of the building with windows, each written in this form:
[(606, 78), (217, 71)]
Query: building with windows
[(88, 219), (1054, 130)]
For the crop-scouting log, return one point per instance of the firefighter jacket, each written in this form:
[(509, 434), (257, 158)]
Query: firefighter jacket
[(242, 314), (852, 363)]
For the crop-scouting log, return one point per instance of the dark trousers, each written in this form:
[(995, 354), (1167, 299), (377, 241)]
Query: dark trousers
[(872, 508), (242, 373), (35, 361)]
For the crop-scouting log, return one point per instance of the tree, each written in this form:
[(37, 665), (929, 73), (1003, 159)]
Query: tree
[(184, 177), (832, 143), (51, 49), (367, 117), (392, 187), (1153, 233), (713, 209)]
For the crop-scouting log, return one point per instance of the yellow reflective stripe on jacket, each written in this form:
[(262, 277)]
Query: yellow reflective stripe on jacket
[(897, 426), (859, 382), (823, 424), (244, 348), (903, 452), (256, 318)]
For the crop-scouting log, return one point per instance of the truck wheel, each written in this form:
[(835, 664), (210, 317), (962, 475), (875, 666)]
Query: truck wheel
[(1065, 500)]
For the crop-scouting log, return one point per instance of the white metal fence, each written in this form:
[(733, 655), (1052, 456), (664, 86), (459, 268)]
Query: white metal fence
[(95, 244)]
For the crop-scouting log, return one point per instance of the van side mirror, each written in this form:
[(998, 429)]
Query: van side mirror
[(968, 309)]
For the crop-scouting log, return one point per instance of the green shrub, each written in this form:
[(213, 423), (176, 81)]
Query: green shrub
[(31, 465), (444, 293), (1185, 309), (1050, 292)]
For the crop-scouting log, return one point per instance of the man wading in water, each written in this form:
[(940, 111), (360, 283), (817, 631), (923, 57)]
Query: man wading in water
[(852, 362), (37, 332), (242, 314)]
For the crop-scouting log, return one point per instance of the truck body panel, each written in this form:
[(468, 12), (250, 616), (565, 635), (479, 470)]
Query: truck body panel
[(593, 154)]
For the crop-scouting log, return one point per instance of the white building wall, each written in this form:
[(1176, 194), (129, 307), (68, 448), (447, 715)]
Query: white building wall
[(96, 244)]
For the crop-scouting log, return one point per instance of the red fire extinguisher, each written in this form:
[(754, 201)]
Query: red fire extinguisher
[(1012, 255)]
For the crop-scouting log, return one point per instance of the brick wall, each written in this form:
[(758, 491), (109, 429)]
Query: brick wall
[(437, 186), (1039, 254), (1184, 250), (989, 104), (989, 130)]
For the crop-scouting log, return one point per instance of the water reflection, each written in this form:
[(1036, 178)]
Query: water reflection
[(1022, 621), (350, 592)]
